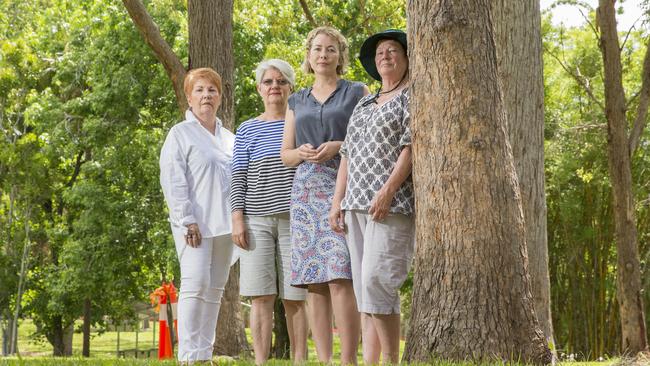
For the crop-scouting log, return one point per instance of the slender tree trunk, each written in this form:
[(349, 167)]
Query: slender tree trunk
[(7, 340), (210, 31), (281, 348), (471, 290), (24, 264), (518, 38), (231, 335), (6, 336), (628, 273), (85, 352)]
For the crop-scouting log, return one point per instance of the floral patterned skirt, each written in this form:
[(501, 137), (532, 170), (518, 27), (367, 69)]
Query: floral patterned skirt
[(318, 254)]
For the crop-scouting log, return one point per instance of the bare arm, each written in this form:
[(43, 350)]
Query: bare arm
[(292, 156), (239, 234)]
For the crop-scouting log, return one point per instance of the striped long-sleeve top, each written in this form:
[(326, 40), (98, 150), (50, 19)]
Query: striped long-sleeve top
[(261, 184)]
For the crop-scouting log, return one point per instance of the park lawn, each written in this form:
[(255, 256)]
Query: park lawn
[(103, 350), (104, 346)]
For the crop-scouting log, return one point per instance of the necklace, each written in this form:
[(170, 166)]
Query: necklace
[(379, 93), (392, 90)]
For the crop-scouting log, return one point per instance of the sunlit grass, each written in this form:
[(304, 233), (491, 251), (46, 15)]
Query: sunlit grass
[(103, 351)]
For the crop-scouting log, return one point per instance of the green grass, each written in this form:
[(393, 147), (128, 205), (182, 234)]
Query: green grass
[(105, 345), (103, 350), (101, 345), (50, 361)]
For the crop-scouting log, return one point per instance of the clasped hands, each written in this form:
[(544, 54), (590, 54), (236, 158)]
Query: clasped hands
[(324, 152), (193, 236)]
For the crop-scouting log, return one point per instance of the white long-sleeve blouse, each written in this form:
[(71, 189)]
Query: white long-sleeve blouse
[(195, 171)]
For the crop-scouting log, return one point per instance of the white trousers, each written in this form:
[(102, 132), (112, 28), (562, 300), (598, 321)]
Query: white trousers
[(204, 273)]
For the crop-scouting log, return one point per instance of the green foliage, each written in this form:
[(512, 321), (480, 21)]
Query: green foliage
[(278, 29), (582, 250), (84, 108)]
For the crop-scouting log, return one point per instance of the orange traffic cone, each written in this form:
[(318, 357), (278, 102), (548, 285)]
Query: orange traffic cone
[(173, 299), (165, 349)]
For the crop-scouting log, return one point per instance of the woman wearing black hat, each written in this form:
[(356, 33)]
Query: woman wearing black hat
[(374, 195)]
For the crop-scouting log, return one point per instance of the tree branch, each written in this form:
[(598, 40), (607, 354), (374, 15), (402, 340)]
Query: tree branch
[(629, 31), (305, 9), (77, 169), (642, 108), (591, 25), (73, 179), (578, 78), (151, 34)]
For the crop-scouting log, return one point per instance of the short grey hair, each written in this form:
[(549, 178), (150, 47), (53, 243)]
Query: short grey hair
[(282, 66)]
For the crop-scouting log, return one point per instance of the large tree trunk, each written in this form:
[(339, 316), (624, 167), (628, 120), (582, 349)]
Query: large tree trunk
[(210, 31), (471, 290), (628, 281), (519, 62), (210, 45), (231, 335)]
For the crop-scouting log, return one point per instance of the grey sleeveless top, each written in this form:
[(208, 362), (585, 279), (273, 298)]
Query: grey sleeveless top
[(317, 123)]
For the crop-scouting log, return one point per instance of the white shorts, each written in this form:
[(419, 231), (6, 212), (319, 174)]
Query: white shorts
[(381, 253), (267, 262)]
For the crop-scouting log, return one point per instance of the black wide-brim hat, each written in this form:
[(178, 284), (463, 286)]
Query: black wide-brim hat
[(368, 48)]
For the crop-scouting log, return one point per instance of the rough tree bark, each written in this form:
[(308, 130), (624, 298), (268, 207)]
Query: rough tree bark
[(210, 31), (517, 31), (628, 273), (471, 290), (210, 45)]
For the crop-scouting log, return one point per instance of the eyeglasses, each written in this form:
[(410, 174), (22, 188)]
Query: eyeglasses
[(280, 82)]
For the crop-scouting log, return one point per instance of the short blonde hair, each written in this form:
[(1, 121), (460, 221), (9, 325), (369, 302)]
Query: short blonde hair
[(206, 73), (333, 33)]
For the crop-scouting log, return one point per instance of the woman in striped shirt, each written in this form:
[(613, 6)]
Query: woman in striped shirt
[(260, 197)]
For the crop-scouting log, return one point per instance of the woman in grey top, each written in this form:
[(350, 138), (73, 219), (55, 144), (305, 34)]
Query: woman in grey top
[(375, 190), (315, 126)]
